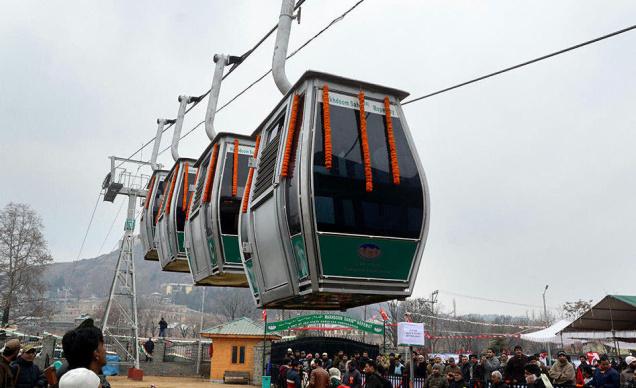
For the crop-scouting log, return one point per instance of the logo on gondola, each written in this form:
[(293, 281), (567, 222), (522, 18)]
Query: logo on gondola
[(271, 327), (377, 329), (369, 251)]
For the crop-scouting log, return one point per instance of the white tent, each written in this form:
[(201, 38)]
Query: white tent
[(549, 334)]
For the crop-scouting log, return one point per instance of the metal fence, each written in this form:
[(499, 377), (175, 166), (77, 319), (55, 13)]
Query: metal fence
[(180, 352), (418, 382)]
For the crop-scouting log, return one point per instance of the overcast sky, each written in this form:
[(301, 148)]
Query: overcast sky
[(531, 173)]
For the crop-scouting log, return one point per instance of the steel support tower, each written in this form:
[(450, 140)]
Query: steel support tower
[(119, 323)]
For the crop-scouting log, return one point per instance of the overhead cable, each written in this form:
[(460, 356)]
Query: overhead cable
[(241, 59), (507, 69), (260, 78)]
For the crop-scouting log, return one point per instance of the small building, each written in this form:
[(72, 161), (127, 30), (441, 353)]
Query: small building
[(237, 347)]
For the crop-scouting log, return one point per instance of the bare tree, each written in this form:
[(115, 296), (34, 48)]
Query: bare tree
[(184, 330), (574, 310), (232, 304), (23, 257)]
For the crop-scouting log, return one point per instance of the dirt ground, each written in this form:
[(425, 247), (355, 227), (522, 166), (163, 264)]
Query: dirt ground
[(167, 382)]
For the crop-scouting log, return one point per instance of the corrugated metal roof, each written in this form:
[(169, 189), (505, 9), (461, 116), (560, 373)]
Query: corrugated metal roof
[(629, 299), (241, 326)]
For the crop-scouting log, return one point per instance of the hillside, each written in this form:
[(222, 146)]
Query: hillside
[(93, 276)]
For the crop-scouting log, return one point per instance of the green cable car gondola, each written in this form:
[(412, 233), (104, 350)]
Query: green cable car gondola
[(336, 210), (170, 232), (151, 205), (212, 225), (212, 221)]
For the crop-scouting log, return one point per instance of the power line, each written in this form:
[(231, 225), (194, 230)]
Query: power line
[(121, 205), (507, 69), (242, 58), (492, 300), (259, 79), (88, 227)]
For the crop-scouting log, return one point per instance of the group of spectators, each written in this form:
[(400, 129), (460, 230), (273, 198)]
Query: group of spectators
[(85, 356), (306, 370)]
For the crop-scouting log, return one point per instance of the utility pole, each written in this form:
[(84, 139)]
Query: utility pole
[(547, 323), (123, 292)]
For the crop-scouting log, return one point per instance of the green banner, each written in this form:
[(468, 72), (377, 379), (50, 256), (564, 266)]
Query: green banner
[(328, 319)]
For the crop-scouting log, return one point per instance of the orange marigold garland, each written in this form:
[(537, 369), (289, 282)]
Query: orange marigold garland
[(235, 169), (326, 120), (171, 191), (196, 178), (290, 137), (365, 145), (395, 166), (250, 176), (186, 187), (149, 193), (207, 189)]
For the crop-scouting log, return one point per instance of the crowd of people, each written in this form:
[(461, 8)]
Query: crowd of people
[(84, 353), (306, 370)]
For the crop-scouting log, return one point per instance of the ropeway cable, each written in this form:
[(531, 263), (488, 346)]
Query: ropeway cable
[(259, 79), (535, 60)]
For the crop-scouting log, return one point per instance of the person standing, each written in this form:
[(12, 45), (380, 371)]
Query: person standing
[(25, 373), (163, 326), (580, 380), (628, 375), (84, 349), (562, 372), (9, 353), (457, 380), (353, 378), (149, 347), (514, 371), (436, 379), (372, 378), (490, 363), (319, 377), (605, 376), (293, 375)]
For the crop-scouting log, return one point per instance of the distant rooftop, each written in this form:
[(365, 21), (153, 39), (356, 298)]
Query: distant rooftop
[(239, 327)]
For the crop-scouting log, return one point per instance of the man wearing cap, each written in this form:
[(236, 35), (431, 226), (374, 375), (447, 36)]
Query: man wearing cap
[(9, 353), (562, 372), (627, 376), (25, 373), (326, 362)]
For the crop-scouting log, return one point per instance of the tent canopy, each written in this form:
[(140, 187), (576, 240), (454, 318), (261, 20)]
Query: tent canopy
[(613, 317), (549, 334)]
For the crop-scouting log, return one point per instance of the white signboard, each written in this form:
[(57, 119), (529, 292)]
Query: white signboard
[(411, 334)]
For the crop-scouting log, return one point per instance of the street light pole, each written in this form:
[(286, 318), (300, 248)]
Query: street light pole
[(545, 317)]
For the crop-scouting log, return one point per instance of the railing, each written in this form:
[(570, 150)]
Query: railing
[(180, 352), (418, 382)]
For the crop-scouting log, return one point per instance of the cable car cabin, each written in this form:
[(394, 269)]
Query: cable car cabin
[(336, 214), (156, 188), (169, 238), (212, 224)]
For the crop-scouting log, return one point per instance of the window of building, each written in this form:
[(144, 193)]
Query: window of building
[(238, 354)]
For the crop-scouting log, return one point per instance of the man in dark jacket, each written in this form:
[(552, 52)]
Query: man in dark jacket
[(605, 376), (149, 347), (514, 372), (373, 379), (293, 375), (10, 352), (25, 373), (163, 325), (353, 378)]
